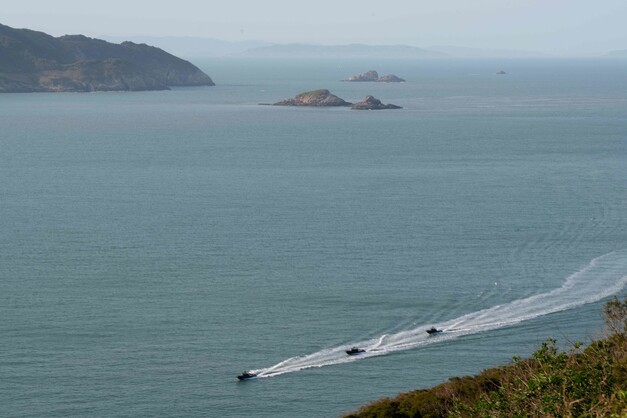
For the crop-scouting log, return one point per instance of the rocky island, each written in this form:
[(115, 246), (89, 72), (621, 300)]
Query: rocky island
[(374, 76), (372, 103), (321, 97), (33, 61)]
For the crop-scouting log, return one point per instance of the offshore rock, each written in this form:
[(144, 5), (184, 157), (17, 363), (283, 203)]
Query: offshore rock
[(390, 78), (321, 97), (372, 75), (367, 76), (372, 103)]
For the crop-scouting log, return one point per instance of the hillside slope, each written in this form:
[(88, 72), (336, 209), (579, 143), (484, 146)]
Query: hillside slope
[(33, 61)]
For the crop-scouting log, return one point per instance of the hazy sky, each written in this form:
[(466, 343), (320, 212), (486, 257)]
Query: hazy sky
[(554, 26)]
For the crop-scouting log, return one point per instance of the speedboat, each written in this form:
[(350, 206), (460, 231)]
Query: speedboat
[(433, 330), (247, 375), (354, 351)]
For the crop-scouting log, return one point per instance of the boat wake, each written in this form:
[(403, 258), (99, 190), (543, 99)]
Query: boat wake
[(602, 277)]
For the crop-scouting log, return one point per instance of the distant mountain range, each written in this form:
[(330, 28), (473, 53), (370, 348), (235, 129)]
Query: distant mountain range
[(204, 47), (33, 61), (464, 52), (342, 51), (194, 47), (383, 52), (617, 54)]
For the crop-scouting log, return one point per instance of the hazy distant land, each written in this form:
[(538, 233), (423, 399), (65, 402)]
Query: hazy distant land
[(198, 47), (188, 46), (342, 51), (194, 47), (617, 54)]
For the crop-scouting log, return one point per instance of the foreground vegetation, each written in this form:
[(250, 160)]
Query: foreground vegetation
[(590, 382)]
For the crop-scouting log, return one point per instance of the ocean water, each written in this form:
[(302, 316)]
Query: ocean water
[(154, 245)]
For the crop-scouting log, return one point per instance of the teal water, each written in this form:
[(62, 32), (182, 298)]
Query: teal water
[(153, 245)]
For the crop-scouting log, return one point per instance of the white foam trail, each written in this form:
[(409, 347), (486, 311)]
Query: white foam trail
[(602, 277), (378, 344)]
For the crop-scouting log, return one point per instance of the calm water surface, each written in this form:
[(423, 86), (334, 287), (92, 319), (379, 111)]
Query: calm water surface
[(153, 245)]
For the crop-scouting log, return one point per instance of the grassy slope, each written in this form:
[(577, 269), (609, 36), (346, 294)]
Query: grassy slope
[(590, 382)]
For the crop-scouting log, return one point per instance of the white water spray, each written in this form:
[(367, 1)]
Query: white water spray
[(602, 277)]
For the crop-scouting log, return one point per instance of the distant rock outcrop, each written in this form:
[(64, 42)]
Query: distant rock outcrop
[(322, 97), (390, 78), (367, 76), (501, 72), (372, 103), (33, 61), (372, 75)]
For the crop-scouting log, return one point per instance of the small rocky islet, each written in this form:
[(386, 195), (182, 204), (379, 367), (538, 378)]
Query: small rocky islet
[(319, 98), (372, 103), (324, 98), (372, 75)]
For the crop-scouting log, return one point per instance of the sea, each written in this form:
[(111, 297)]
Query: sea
[(154, 245)]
